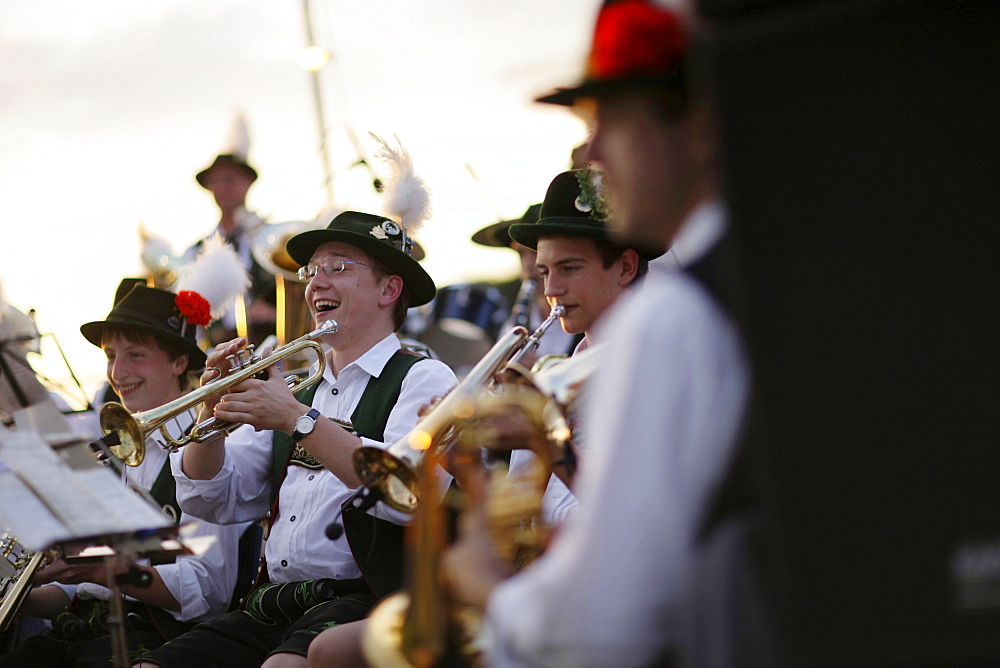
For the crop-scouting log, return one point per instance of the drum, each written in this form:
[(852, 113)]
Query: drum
[(470, 311)]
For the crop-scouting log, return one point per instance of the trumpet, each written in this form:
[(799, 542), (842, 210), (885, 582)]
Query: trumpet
[(393, 472), (132, 429)]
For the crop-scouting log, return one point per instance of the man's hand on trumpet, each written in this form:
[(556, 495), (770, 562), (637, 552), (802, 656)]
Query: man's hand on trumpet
[(218, 366), (265, 404)]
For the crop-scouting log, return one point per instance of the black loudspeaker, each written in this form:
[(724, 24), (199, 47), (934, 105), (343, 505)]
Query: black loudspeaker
[(861, 160)]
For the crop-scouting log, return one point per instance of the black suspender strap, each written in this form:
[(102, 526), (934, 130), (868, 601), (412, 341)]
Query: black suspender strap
[(377, 545)]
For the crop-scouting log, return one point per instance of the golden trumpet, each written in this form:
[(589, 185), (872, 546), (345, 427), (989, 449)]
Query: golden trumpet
[(132, 429), (393, 472)]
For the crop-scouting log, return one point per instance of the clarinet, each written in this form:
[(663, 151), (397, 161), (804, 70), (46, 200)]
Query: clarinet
[(523, 302)]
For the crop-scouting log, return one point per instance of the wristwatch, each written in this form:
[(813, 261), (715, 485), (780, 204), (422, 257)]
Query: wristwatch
[(304, 425)]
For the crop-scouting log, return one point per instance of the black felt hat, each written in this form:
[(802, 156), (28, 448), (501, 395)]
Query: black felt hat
[(156, 312), (636, 44), (225, 159), (380, 237), (126, 286), (573, 207), (497, 236)]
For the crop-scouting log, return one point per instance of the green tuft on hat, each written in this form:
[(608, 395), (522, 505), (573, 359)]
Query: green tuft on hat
[(155, 311), (497, 236), (574, 206), (381, 237)]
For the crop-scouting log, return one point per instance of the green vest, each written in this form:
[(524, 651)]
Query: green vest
[(377, 545)]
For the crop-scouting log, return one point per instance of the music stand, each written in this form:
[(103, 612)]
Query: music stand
[(42, 464)]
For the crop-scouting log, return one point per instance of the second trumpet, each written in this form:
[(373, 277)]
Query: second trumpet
[(132, 429)]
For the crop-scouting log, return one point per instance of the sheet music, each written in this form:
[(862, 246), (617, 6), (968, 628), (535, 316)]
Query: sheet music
[(43, 500)]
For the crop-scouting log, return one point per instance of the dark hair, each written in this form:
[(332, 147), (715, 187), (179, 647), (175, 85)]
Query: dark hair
[(133, 335), (611, 253), (402, 304)]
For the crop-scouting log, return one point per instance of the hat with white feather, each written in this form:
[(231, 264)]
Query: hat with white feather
[(234, 153), (387, 238), (206, 289)]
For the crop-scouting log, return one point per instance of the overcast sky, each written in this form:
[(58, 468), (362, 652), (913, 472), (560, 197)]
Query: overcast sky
[(108, 108)]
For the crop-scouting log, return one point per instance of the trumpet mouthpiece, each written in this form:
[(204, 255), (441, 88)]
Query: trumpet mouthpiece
[(328, 327), (558, 311)]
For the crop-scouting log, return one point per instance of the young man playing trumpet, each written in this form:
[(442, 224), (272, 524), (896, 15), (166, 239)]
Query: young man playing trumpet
[(361, 276), (583, 271), (151, 352)]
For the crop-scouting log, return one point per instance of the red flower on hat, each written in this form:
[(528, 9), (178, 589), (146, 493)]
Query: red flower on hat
[(193, 307), (636, 38)]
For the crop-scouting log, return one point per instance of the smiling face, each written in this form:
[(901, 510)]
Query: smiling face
[(141, 372), (358, 298), (575, 276)]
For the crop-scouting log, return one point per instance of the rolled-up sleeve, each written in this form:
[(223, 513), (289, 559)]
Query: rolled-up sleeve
[(240, 492), (203, 584)]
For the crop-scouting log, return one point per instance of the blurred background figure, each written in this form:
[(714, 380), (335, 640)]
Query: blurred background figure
[(229, 178)]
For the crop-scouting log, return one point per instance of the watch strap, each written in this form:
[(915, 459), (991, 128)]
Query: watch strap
[(298, 435)]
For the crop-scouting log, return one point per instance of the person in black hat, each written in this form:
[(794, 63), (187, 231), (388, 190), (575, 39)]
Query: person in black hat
[(661, 415), (229, 178), (581, 267), (362, 277), (530, 307), (148, 338), (584, 272)]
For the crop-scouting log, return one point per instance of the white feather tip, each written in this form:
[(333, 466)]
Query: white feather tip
[(405, 196), (217, 274)]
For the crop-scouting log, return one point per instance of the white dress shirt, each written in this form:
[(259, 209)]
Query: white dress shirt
[(203, 585), (297, 547), (661, 419)]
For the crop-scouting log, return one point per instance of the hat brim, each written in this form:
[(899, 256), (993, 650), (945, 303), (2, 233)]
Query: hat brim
[(527, 234), (495, 235), (596, 88), (203, 174), (94, 332), (417, 282)]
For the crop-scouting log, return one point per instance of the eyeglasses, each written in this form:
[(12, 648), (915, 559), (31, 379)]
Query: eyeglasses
[(330, 268)]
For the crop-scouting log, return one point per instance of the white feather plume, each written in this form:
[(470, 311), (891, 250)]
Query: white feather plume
[(405, 197), (217, 274), (238, 140)]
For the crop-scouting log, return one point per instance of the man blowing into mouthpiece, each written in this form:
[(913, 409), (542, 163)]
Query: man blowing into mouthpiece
[(362, 276)]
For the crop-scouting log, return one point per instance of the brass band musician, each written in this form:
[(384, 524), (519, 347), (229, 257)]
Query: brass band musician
[(151, 353)]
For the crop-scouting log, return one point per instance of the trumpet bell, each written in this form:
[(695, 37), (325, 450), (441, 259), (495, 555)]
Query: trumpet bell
[(132, 442), (394, 471), (132, 429), (268, 247)]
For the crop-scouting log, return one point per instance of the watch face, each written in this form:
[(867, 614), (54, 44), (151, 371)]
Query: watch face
[(304, 424)]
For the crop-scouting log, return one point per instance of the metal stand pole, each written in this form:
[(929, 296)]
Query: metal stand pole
[(116, 619)]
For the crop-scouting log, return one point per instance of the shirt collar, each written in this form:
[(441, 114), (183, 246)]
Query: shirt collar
[(700, 231), (374, 359)]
